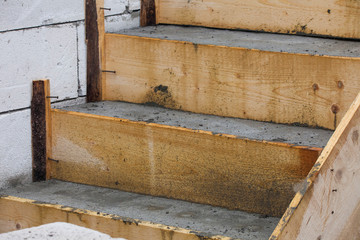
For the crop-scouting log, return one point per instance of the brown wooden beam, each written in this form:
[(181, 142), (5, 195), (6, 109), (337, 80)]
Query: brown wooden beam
[(147, 13), (94, 35), (39, 109)]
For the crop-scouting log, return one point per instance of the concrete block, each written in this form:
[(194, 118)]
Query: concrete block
[(31, 13), (58, 230), (38, 53), (117, 6), (134, 5), (114, 24), (15, 149)]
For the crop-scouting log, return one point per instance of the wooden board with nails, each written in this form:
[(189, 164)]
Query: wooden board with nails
[(318, 17), (40, 128), (192, 165), (246, 83)]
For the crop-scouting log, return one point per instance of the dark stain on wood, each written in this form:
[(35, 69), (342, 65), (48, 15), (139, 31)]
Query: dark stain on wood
[(147, 13), (38, 131), (355, 137), (93, 77)]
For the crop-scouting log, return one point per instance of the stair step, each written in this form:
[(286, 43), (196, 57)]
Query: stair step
[(249, 40), (258, 76), (241, 128), (181, 163), (320, 17), (129, 208)]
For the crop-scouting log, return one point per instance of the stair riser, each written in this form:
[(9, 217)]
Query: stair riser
[(178, 163), (228, 81), (18, 213), (321, 17)]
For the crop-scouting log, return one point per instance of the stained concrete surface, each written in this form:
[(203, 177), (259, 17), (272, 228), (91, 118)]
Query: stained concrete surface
[(249, 129), (56, 231), (251, 40), (204, 218)]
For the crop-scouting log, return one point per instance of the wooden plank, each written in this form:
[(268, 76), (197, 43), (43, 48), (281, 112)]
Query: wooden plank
[(18, 213), (40, 106), (160, 160), (147, 13), (230, 81), (94, 27), (317, 17), (328, 207)]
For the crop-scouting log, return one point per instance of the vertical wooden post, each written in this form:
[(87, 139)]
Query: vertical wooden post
[(40, 106), (147, 13), (95, 32)]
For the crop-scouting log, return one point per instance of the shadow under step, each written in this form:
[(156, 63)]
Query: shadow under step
[(227, 162), (127, 215), (258, 76)]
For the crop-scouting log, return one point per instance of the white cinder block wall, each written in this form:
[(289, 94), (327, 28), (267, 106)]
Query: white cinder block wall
[(43, 39)]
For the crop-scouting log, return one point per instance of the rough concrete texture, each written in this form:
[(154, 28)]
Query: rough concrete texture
[(29, 13), (43, 39), (250, 40), (15, 149), (301, 136), (47, 52), (58, 231), (198, 217)]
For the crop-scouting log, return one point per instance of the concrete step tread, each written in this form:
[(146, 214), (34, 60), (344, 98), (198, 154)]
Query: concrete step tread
[(251, 40), (249, 129), (197, 217)]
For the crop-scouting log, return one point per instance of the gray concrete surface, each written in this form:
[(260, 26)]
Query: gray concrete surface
[(57, 231), (301, 136), (204, 218), (251, 40)]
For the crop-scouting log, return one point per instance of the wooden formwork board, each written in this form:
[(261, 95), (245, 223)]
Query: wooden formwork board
[(317, 17), (191, 165), (230, 81), (18, 213), (328, 207)]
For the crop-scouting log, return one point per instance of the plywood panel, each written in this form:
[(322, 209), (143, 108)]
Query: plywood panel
[(316, 17), (228, 81), (179, 163), (329, 205), (18, 213)]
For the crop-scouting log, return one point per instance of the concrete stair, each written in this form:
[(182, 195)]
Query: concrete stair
[(200, 133)]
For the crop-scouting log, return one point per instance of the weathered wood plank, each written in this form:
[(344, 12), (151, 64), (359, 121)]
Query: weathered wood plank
[(94, 27), (229, 81), (317, 17), (147, 13), (328, 207), (18, 213), (179, 163), (40, 106)]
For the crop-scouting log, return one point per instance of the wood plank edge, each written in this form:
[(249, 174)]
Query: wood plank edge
[(308, 183), (182, 129), (117, 35), (100, 217)]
